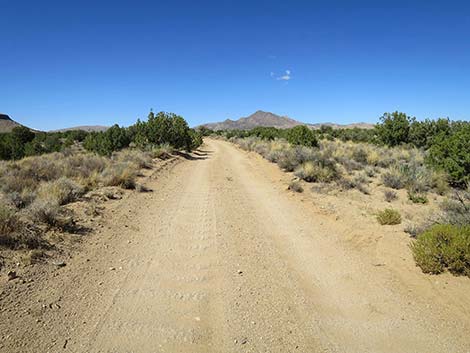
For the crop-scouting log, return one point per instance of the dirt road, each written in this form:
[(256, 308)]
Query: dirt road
[(221, 258)]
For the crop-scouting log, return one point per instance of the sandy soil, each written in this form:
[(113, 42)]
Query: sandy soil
[(220, 257)]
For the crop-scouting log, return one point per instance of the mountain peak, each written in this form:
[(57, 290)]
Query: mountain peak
[(268, 119), (258, 118), (7, 124), (5, 117)]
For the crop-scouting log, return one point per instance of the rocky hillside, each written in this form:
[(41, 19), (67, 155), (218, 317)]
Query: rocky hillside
[(6, 123), (261, 118)]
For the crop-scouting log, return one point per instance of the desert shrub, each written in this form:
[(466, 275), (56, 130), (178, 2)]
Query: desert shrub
[(45, 211), (287, 160), (370, 171), (317, 172), (21, 199), (14, 233), (358, 182), (417, 177), (389, 217), (417, 198), (390, 195), (8, 220), (414, 230), (361, 178), (62, 191), (442, 247), (456, 210), (83, 165), (302, 135), (440, 183), (120, 174), (295, 186), (349, 164), (346, 183), (262, 148), (13, 182), (392, 178), (360, 155), (363, 188)]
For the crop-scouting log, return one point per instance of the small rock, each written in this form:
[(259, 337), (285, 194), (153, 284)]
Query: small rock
[(240, 272), (59, 263), (112, 268), (244, 341), (12, 275)]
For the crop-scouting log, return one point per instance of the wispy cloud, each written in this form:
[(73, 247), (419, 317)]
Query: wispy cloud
[(285, 77)]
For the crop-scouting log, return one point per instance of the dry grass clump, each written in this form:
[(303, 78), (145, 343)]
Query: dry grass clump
[(142, 160), (389, 217), (62, 191), (122, 174)]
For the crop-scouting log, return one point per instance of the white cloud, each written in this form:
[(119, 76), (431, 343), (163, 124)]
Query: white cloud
[(286, 77)]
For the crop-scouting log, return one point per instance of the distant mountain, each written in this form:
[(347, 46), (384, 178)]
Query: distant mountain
[(260, 118), (267, 119), (7, 124), (87, 128)]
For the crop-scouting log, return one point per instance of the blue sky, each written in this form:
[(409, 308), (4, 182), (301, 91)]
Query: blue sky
[(68, 63)]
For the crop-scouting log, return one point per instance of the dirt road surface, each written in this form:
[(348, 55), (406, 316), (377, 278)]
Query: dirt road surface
[(220, 257)]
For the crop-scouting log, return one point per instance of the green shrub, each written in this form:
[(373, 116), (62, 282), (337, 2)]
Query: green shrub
[(394, 128), (451, 154), (443, 247), (389, 217), (302, 135), (417, 198)]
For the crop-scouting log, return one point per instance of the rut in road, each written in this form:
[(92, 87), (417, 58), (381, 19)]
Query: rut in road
[(220, 259)]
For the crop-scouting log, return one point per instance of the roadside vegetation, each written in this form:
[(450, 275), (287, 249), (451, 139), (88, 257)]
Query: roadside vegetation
[(427, 159), (42, 173)]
